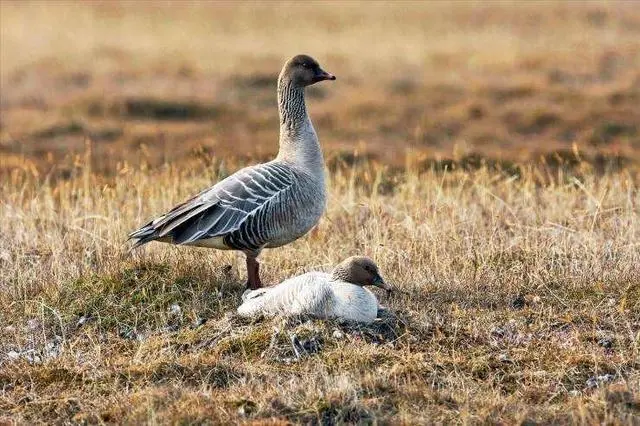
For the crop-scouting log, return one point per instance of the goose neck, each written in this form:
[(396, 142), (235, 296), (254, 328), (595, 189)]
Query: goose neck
[(298, 139), (291, 106)]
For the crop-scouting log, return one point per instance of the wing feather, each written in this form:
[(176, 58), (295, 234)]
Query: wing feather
[(221, 209)]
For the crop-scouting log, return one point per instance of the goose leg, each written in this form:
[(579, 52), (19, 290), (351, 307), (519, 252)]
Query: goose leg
[(253, 272)]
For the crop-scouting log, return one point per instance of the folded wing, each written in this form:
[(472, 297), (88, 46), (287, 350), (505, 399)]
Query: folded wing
[(222, 209)]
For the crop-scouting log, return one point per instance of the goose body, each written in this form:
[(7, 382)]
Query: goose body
[(262, 206), (317, 294), (267, 205)]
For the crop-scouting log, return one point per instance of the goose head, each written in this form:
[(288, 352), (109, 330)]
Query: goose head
[(360, 270), (303, 70)]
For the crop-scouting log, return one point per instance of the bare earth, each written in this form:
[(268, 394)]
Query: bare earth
[(486, 156)]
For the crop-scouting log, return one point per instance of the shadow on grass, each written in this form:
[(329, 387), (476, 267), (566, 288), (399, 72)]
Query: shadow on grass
[(147, 297)]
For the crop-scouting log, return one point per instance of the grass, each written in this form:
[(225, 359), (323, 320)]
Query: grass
[(485, 155), (520, 295), (508, 81)]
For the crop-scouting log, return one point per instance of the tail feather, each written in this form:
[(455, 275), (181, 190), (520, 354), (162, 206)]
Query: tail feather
[(167, 226), (145, 231)]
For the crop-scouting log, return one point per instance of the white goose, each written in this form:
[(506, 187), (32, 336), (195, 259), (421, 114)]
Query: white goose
[(338, 295), (262, 206)]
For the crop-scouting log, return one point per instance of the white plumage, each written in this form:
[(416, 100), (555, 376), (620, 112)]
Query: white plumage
[(314, 294)]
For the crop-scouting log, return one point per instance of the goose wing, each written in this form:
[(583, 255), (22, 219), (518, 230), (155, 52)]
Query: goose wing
[(307, 294), (221, 209)]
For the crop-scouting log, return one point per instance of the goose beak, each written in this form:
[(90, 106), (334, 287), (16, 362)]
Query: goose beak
[(323, 75), (379, 282)]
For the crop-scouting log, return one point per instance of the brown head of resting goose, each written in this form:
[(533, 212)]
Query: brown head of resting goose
[(263, 206)]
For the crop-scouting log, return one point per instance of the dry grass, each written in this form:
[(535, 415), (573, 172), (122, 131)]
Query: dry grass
[(520, 295), (485, 155), (506, 81)]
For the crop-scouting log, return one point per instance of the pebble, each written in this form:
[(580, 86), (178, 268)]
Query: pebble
[(199, 322), (606, 342), (82, 321), (518, 302), (497, 332), (595, 381), (504, 358), (175, 310)]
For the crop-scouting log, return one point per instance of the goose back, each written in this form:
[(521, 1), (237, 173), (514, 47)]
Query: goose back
[(315, 294)]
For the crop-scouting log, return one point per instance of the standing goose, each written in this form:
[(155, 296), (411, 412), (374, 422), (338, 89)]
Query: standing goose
[(262, 206), (338, 295)]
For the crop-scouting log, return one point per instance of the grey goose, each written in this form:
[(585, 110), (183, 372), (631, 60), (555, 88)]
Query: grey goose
[(262, 206), (339, 295)]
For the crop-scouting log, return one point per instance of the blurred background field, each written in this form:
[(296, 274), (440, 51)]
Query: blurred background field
[(164, 81), (485, 154)]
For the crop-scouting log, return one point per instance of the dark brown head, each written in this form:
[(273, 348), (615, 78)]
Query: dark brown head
[(304, 71), (360, 270)]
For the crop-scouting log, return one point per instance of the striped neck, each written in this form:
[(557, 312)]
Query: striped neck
[(292, 108), (298, 140), (342, 273)]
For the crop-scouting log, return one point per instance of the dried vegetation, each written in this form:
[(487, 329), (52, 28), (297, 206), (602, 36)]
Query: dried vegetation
[(489, 164)]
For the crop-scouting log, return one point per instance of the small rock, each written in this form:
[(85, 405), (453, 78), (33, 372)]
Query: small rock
[(32, 324), (175, 310), (81, 321), (311, 345), (497, 332), (171, 328), (504, 358), (574, 393), (199, 322), (596, 381), (246, 408), (611, 301), (13, 355), (592, 382), (607, 378), (518, 302), (606, 342), (129, 334), (52, 349), (337, 334), (32, 357)]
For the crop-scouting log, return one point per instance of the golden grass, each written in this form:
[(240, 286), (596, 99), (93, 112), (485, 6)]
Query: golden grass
[(485, 155), (521, 292), (363, 36), (507, 81)]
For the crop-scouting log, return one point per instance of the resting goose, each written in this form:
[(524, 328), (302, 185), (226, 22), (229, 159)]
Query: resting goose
[(263, 206), (338, 295)]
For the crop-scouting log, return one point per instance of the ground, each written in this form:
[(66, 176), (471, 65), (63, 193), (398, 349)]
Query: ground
[(486, 156)]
